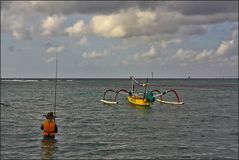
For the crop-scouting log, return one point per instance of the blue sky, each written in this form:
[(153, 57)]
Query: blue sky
[(116, 39)]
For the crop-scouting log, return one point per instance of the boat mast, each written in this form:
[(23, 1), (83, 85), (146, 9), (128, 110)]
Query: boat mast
[(132, 85), (145, 87)]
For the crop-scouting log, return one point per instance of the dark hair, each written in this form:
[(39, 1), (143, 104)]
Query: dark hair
[(49, 115)]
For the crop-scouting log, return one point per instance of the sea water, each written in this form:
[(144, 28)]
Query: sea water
[(205, 127)]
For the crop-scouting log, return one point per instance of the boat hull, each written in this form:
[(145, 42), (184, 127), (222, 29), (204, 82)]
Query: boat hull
[(138, 101)]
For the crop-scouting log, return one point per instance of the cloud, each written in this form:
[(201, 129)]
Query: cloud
[(226, 47), (166, 43), (55, 49), (193, 30), (151, 54), (145, 18), (192, 56), (185, 55), (83, 41), (108, 28), (21, 32), (94, 55), (50, 60), (204, 55), (226, 51), (203, 7), (85, 7), (135, 22), (14, 17), (235, 34), (109, 7), (229, 47), (77, 29), (123, 24), (16, 26), (51, 25), (116, 19)]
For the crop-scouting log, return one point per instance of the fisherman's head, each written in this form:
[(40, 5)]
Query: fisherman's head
[(49, 115)]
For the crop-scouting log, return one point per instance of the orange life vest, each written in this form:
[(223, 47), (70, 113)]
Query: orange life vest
[(49, 127)]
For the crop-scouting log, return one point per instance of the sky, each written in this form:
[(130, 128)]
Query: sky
[(116, 39)]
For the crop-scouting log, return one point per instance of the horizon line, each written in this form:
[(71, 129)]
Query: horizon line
[(62, 78)]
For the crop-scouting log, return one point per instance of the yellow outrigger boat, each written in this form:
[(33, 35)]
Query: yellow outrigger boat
[(143, 99), (138, 101)]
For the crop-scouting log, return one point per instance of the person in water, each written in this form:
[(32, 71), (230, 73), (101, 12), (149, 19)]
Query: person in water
[(49, 126)]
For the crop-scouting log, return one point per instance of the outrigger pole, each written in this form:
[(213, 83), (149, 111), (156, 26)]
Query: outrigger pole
[(55, 89), (132, 86)]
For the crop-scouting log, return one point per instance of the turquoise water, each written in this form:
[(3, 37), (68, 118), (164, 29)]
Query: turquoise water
[(205, 127)]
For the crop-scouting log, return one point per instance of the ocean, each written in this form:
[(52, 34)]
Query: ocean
[(205, 127)]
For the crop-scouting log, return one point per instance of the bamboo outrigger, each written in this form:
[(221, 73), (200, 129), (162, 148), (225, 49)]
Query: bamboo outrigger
[(142, 99)]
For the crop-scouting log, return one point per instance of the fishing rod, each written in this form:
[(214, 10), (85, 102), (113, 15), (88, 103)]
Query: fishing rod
[(55, 89)]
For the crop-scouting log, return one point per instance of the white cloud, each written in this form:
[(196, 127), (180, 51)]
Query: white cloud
[(83, 41), (166, 43), (19, 31), (119, 19), (225, 47), (55, 49), (135, 22), (77, 29), (51, 25), (226, 52), (94, 55), (185, 55), (229, 47), (107, 26), (188, 56), (204, 55), (50, 60), (145, 18), (13, 20), (123, 24), (151, 54)]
